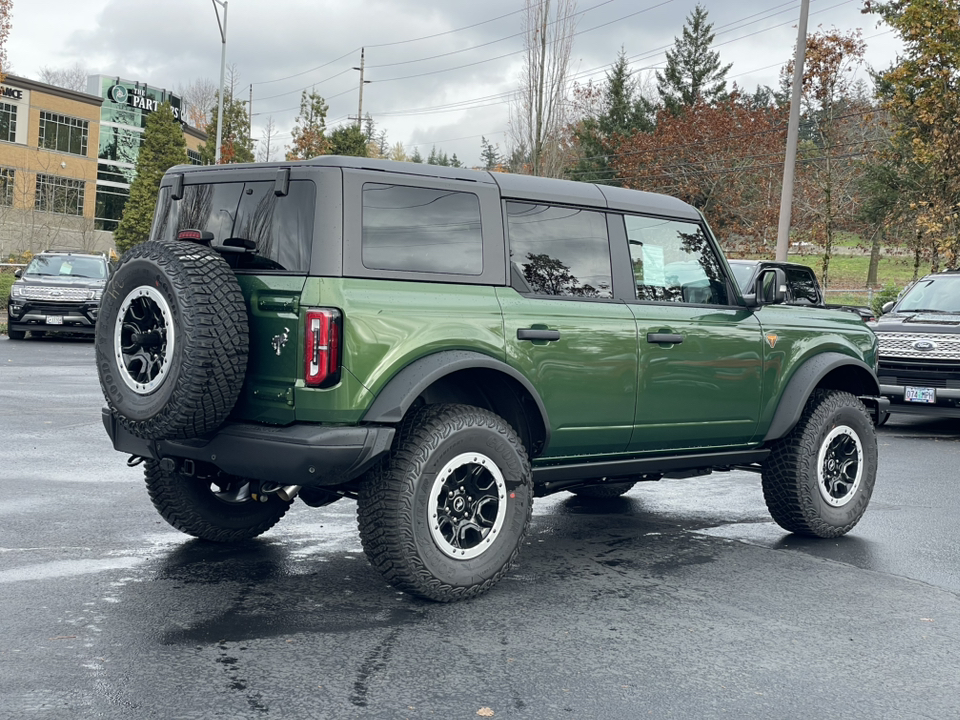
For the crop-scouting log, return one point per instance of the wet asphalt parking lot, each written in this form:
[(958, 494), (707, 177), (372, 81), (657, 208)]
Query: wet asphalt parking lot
[(680, 600)]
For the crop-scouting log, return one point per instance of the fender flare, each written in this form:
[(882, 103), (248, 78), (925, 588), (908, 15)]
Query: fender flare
[(803, 383), (402, 389)]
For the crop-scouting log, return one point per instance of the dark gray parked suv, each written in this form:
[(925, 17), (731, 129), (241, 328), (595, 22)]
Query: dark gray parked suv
[(919, 337), (58, 292)]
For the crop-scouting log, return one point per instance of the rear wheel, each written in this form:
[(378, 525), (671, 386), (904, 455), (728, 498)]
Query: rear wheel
[(444, 516), (819, 478), (212, 505)]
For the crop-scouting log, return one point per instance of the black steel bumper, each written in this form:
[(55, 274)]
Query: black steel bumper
[(309, 455)]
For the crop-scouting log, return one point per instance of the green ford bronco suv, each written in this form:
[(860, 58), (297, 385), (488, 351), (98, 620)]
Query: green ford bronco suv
[(444, 345)]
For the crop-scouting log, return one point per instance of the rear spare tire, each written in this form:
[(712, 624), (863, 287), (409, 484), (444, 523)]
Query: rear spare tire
[(171, 340)]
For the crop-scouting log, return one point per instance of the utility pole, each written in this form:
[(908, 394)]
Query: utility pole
[(793, 132), (250, 116), (362, 83)]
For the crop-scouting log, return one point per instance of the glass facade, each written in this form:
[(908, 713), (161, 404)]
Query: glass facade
[(126, 106)]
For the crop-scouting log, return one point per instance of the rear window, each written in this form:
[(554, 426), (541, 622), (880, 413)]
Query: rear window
[(421, 230), (280, 225)]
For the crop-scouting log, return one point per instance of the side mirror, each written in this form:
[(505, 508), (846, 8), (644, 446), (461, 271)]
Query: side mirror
[(887, 307), (770, 288), (18, 273)]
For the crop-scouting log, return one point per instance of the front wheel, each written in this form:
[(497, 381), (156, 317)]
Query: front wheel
[(819, 478), (212, 505), (444, 516), (16, 334)]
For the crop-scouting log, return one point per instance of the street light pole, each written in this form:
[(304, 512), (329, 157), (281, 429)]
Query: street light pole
[(223, 69)]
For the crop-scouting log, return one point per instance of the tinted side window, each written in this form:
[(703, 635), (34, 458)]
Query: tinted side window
[(559, 251), (673, 262), (421, 230), (280, 225)]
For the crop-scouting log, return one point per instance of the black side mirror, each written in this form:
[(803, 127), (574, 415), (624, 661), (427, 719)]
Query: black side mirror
[(18, 273), (769, 288), (887, 307)]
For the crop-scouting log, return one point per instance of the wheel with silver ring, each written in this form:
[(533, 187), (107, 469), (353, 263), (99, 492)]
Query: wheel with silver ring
[(444, 516), (171, 340), (818, 479)]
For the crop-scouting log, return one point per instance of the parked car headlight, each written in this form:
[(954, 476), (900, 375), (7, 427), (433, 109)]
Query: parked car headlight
[(96, 294), (16, 291)]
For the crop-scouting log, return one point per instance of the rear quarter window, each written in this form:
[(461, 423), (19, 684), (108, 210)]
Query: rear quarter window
[(415, 229)]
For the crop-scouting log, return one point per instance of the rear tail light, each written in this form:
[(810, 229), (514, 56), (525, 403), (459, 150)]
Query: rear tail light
[(322, 347)]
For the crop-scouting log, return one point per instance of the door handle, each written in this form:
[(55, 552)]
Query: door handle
[(664, 338), (537, 334)]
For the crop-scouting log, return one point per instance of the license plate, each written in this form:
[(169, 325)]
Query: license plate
[(54, 320), (920, 395)]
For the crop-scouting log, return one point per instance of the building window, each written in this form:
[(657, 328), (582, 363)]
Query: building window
[(63, 133), (59, 195), (193, 157), (7, 180), (8, 122)]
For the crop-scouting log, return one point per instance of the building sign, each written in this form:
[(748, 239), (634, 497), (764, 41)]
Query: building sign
[(10, 93), (145, 99)]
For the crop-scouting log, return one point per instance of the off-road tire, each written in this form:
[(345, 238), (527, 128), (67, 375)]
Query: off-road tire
[(16, 334), (178, 372), (399, 535), (191, 506), (603, 491), (795, 489)]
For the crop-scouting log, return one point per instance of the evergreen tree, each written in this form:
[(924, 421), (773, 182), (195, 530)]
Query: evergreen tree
[(309, 139), (416, 157), (348, 140), (693, 71), (455, 161), (624, 112), (163, 147), (490, 154), (235, 145)]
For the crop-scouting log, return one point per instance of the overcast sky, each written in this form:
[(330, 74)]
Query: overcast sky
[(441, 71)]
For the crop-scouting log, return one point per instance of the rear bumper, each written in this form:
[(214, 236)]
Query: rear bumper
[(308, 455)]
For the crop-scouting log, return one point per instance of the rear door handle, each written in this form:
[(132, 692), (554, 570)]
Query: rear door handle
[(664, 338), (537, 334)]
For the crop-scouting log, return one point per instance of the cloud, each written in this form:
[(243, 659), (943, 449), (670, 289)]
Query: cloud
[(285, 46)]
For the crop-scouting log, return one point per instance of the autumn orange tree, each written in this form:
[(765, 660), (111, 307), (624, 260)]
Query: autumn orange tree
[(836, 134), (724, 159), (6, 12), (309, 132), (922, 95)]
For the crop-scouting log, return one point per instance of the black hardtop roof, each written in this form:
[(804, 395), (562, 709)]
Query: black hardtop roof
[(518, 187)]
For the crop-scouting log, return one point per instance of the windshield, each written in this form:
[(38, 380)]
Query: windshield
[(938, 294), (67, 266), (742, 274)]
